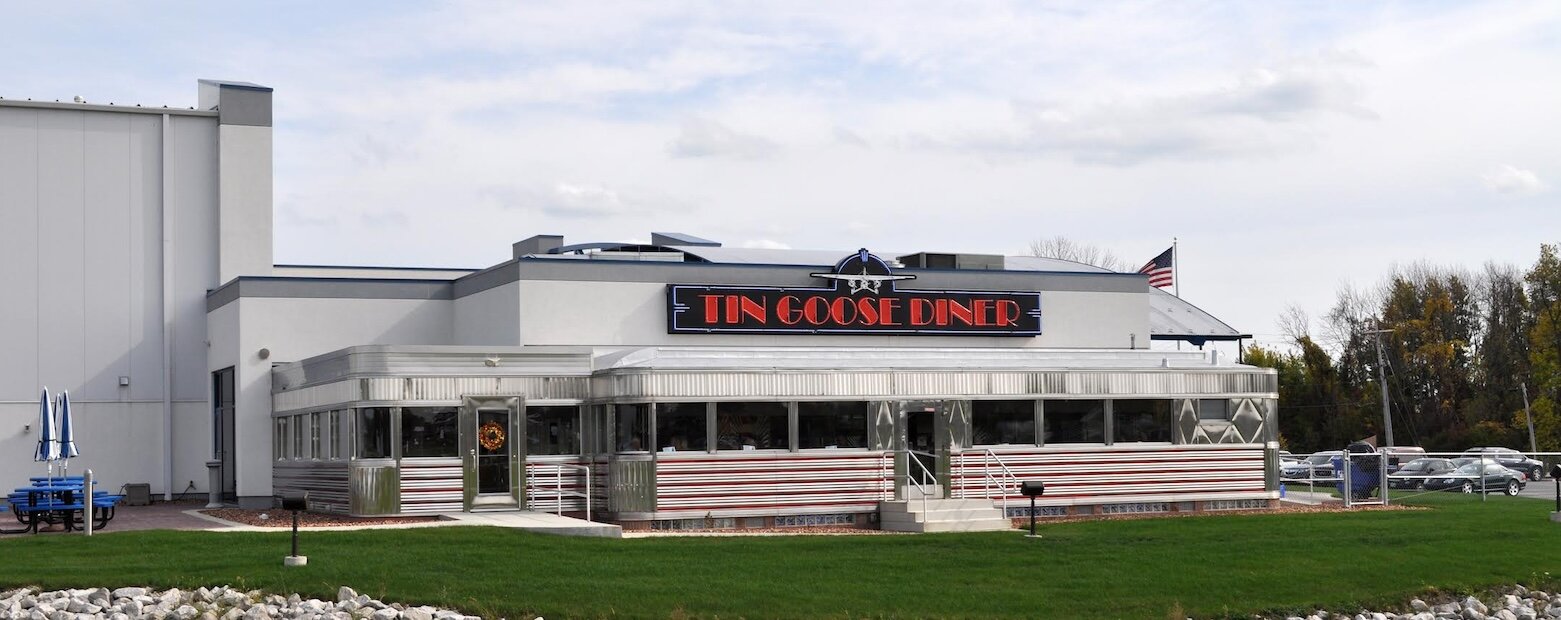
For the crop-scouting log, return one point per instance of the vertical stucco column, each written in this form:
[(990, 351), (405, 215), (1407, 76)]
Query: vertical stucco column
[(243, 176)]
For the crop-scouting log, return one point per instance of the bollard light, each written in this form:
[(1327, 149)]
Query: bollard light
[(1555, 474), (294, 501), (1032, 489)]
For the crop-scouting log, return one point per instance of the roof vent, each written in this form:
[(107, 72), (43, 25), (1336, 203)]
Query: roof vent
[(657, 238)]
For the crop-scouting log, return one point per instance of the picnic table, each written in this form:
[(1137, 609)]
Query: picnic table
[(63, 500)]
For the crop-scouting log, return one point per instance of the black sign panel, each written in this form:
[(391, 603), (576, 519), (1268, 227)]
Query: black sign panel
[(863, 300)]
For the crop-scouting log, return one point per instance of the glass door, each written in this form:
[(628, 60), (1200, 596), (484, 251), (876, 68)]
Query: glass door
[(495, 452), (492, 440)]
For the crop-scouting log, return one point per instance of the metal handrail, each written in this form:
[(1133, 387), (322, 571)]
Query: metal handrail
[(558, 485), (1001, 476), (909, 479)]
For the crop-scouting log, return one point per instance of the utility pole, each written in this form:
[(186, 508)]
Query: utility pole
[(1532, 445), (1382, 379)]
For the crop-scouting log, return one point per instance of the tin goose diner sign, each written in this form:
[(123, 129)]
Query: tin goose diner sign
[(862, 299)]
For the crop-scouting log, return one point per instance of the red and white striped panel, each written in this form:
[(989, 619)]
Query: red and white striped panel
[(544, 481), (744, 485), (431, 486), (1109, 474)]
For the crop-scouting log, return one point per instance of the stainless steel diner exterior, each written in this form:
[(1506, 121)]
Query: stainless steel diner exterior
[(671, 383)]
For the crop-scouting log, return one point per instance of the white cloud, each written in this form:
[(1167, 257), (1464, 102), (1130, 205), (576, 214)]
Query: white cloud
[(707, 138), (1509, 179)]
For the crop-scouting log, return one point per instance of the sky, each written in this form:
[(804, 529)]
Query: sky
[(1289, 147)]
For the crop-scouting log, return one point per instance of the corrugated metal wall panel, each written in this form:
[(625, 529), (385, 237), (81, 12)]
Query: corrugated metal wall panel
[(742, 485), (325, 481), (1097, 474), (431, 486)]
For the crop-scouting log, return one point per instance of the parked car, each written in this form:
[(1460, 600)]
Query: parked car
[(1319, 465), (1412, 475), (1497, 479), (1511, 459)]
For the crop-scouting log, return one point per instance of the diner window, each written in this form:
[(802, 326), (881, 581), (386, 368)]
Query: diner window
[(1141, 420), (751, 426), (552, 430), (1213, 409), (279, 439), (839, 424), (997, 422), (630, 424), (1074, 421), (429, 432), (341, 434), (681, 427), (374, 433), (314, 436), (298, 437)]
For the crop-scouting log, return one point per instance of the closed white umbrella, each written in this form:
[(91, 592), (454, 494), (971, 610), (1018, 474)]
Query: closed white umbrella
[(48, 444)]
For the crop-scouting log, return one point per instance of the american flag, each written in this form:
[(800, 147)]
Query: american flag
[(1159, 269)]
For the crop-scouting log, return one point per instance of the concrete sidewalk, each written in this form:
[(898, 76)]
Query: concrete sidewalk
[(539, 522)]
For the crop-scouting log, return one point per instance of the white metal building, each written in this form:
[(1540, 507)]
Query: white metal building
[(690, 383)]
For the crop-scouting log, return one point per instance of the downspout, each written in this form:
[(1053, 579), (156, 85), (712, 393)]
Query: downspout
[(167, 222)]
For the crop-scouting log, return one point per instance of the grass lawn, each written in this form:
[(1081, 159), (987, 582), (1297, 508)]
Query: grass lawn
[(1209, 566)]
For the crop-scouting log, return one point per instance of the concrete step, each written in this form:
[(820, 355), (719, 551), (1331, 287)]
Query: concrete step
[(998, 525), (933, 491), (915, 505), (940, 516)]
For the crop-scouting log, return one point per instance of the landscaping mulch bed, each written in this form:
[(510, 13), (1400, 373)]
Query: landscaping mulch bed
[(284, 519)]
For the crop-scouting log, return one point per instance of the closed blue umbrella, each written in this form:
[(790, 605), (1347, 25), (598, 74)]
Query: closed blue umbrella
[(67, 436), (48, 443)]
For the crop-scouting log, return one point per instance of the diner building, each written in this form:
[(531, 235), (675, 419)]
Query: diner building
[(671, 383)]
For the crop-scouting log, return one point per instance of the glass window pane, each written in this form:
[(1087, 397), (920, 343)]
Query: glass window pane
[(298, 437), (429, 432), (279, 439), (681, 426), (1074, 421), (832, 425), (995, 422), (341, 434), (374, 433), (552, 430), (630, 426), (751, 426), (314, 436), (1141, 420), (1213, 409)]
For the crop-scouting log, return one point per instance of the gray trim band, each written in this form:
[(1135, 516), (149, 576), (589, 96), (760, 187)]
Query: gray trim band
[(326, 288), (591, 270), (94, 107)]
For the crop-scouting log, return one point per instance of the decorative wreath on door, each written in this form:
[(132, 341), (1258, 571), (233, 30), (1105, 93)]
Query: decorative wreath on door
[(491, 436)]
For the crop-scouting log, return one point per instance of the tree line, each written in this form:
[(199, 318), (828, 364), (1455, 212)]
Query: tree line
[(1458, 349)]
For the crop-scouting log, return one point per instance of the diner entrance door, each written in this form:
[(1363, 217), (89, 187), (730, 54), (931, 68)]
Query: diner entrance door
[(923, 423), (492, 437)]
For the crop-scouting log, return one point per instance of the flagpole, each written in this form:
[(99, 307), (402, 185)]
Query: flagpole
[(1176, 276)]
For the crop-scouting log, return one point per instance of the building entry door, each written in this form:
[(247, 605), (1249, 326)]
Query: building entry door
[(923, 423), (492, 438), (222, 395)]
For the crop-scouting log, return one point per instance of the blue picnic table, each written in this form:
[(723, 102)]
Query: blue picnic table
[(59, 500)]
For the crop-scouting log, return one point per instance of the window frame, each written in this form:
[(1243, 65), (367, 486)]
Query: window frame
[(795, 423), (787, 415), (1105, 422), (1035, 422)]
